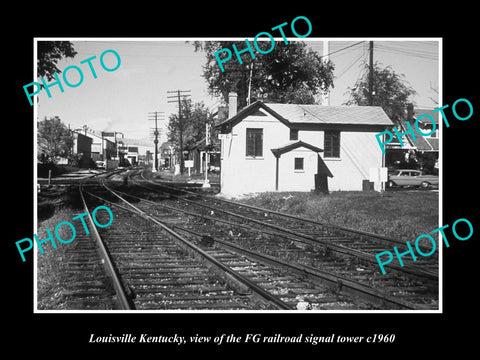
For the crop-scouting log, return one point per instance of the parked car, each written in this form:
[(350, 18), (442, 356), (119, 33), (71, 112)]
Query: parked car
[(409, 177)]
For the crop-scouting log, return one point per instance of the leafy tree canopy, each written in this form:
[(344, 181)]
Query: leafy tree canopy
[(49, 53), (54, 140), (194, 118), (288, 74), (391, 91)]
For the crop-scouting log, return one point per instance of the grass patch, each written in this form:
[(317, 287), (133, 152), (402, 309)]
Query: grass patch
[(50, 274), (56, 204), (402, 215)]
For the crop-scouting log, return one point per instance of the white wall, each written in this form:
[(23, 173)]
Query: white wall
[(297, 180), (240, 175), (359, 152)]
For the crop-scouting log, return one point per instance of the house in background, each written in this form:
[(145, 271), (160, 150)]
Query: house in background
[(198, 151), (420, 153), (294, 147)]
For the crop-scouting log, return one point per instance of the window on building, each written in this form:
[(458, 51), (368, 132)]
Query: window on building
[(254, 146), (298, 164), (293, 134), (332, 144)]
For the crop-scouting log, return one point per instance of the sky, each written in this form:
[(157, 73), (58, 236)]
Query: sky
[(121, 100)]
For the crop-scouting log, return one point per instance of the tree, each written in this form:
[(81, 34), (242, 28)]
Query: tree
[(391, 91), (192, 126), (49, 53), (54, 140), (288, 74)]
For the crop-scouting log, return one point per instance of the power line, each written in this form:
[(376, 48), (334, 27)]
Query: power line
[(399, 51), (346, 47), (408, 50), (350, 66)]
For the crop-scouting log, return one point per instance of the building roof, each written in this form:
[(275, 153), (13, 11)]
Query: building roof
[(322, 114), (422, 143), (294, 145), (426, 119), (434, 143), (290, 114)]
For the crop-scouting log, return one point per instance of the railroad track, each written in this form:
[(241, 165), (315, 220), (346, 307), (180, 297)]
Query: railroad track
[(338, 239), (156, 271), (341, 240), (88, 287), (150, 266), (289, 250)]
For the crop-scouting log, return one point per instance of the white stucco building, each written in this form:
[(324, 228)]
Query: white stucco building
[(293, 147)]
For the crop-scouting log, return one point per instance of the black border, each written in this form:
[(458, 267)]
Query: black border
[(415, 333)]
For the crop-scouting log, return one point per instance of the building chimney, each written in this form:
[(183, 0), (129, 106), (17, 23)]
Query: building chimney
[(232, 104)]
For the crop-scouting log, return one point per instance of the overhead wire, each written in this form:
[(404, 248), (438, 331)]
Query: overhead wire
[(346, 47), (350, 66), (400, 51)]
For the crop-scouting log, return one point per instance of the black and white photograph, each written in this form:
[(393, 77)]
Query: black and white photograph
[(260, 183), (256, 188)]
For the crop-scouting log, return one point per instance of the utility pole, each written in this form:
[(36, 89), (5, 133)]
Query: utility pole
[(250, 83), (326, 57), (370, 77), (156, 115), (180, 121)]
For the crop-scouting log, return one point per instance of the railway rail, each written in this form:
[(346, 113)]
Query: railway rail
[(175, 249), (159, 270), (408, 287), (341, 240), (152, 269)]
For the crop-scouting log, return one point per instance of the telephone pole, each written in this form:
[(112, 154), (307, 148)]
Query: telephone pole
[(326, 58), (180, 121), (370, 76), (156, 115)]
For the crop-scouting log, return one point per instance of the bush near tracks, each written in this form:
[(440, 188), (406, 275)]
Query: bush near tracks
[(400, 215)]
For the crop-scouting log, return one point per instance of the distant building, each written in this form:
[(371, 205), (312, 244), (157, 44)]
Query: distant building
[(136, 151), (82, 146), (421, 152), (102, 148), (295, 147)]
